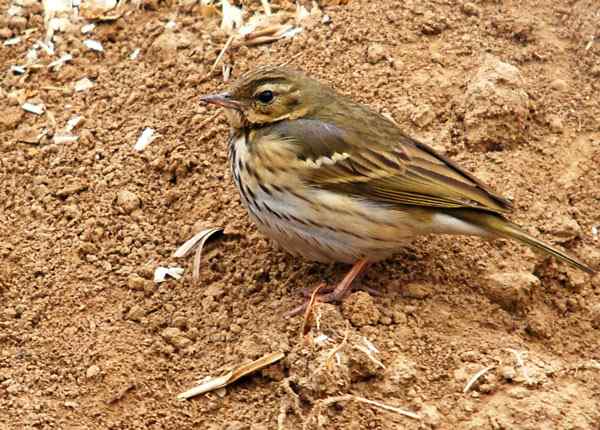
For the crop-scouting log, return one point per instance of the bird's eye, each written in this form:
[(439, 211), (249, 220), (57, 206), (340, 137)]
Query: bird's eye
[(265, 96)]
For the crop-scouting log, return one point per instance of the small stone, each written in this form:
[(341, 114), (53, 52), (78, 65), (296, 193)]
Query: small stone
[(92, 371), (559, 85), (402, 370), (470, 9), (235, 328), (486, 388), (360, 309), (128, 201), (595, 71), (430, 416), (556, 123), (518, 392), (422, 115), (511, 290), (136, 282), (175, 337), (136, 313), (5, 33), (166, 45), (416, 290), (563, 228), (180, 321), (375, 53), (508, 373)]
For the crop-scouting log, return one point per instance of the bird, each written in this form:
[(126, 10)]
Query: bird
[(332, 180)]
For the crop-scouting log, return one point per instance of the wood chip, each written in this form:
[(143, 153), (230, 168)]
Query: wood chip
[(232, 376)]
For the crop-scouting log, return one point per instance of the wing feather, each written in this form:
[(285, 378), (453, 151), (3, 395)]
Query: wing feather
[(386, 166)]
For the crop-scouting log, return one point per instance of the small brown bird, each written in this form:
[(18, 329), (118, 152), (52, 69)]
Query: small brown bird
[(332, 180)]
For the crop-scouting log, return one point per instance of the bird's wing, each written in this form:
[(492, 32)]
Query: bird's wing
[(382, 165)]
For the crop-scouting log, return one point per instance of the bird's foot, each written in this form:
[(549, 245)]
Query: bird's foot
[(330, 295)]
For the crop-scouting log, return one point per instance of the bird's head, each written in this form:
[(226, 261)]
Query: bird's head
[(270, 94)]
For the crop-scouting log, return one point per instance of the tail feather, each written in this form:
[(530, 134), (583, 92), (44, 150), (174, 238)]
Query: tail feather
[(500, 226)]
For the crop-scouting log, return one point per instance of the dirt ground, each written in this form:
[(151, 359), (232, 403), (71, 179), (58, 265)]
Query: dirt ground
[(509, 89)]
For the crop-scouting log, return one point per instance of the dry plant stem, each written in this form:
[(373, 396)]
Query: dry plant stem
[(308, 315), (349, 397), (221, 54), (475, 378)]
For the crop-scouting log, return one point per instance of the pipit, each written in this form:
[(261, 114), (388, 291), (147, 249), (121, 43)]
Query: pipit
[(334, 181)]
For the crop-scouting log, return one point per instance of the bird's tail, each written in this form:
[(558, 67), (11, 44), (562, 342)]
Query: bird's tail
[(500, 226)]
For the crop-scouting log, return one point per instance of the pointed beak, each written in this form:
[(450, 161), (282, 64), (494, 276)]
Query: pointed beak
[(222, 99)]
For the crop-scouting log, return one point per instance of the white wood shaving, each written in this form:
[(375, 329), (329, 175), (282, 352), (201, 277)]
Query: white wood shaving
[(33, 108), (145, 139), (32, 55), (18, 70), (232, 17), (93, 45), (170, 24), (61, 138), (62, 60), (161, 273), (83, 84), (12, 41), (72, 123), (88, 28), (48, 47), (135, 54)]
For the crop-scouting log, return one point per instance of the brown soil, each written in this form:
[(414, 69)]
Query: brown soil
[(87, 340)]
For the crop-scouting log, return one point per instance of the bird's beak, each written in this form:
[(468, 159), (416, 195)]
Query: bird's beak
[(222, 99)]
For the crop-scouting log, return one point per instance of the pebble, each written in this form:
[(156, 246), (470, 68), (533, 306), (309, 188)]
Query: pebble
[(136, 282), (180, 322), (564, 228), (511, 290), (136, 313), (416, 290), (470, 9), (556, 123), (175, 337), (402, 370), (92, 371), (375, 53), (430, 416), (518, 392), (360, 309), (128, 201), (559, 85), (508, 373)]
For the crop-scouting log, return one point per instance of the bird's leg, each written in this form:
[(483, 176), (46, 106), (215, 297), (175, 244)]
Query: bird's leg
[(341, 290)]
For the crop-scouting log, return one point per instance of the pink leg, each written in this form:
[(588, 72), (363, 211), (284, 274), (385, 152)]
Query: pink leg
[(340, 291)]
